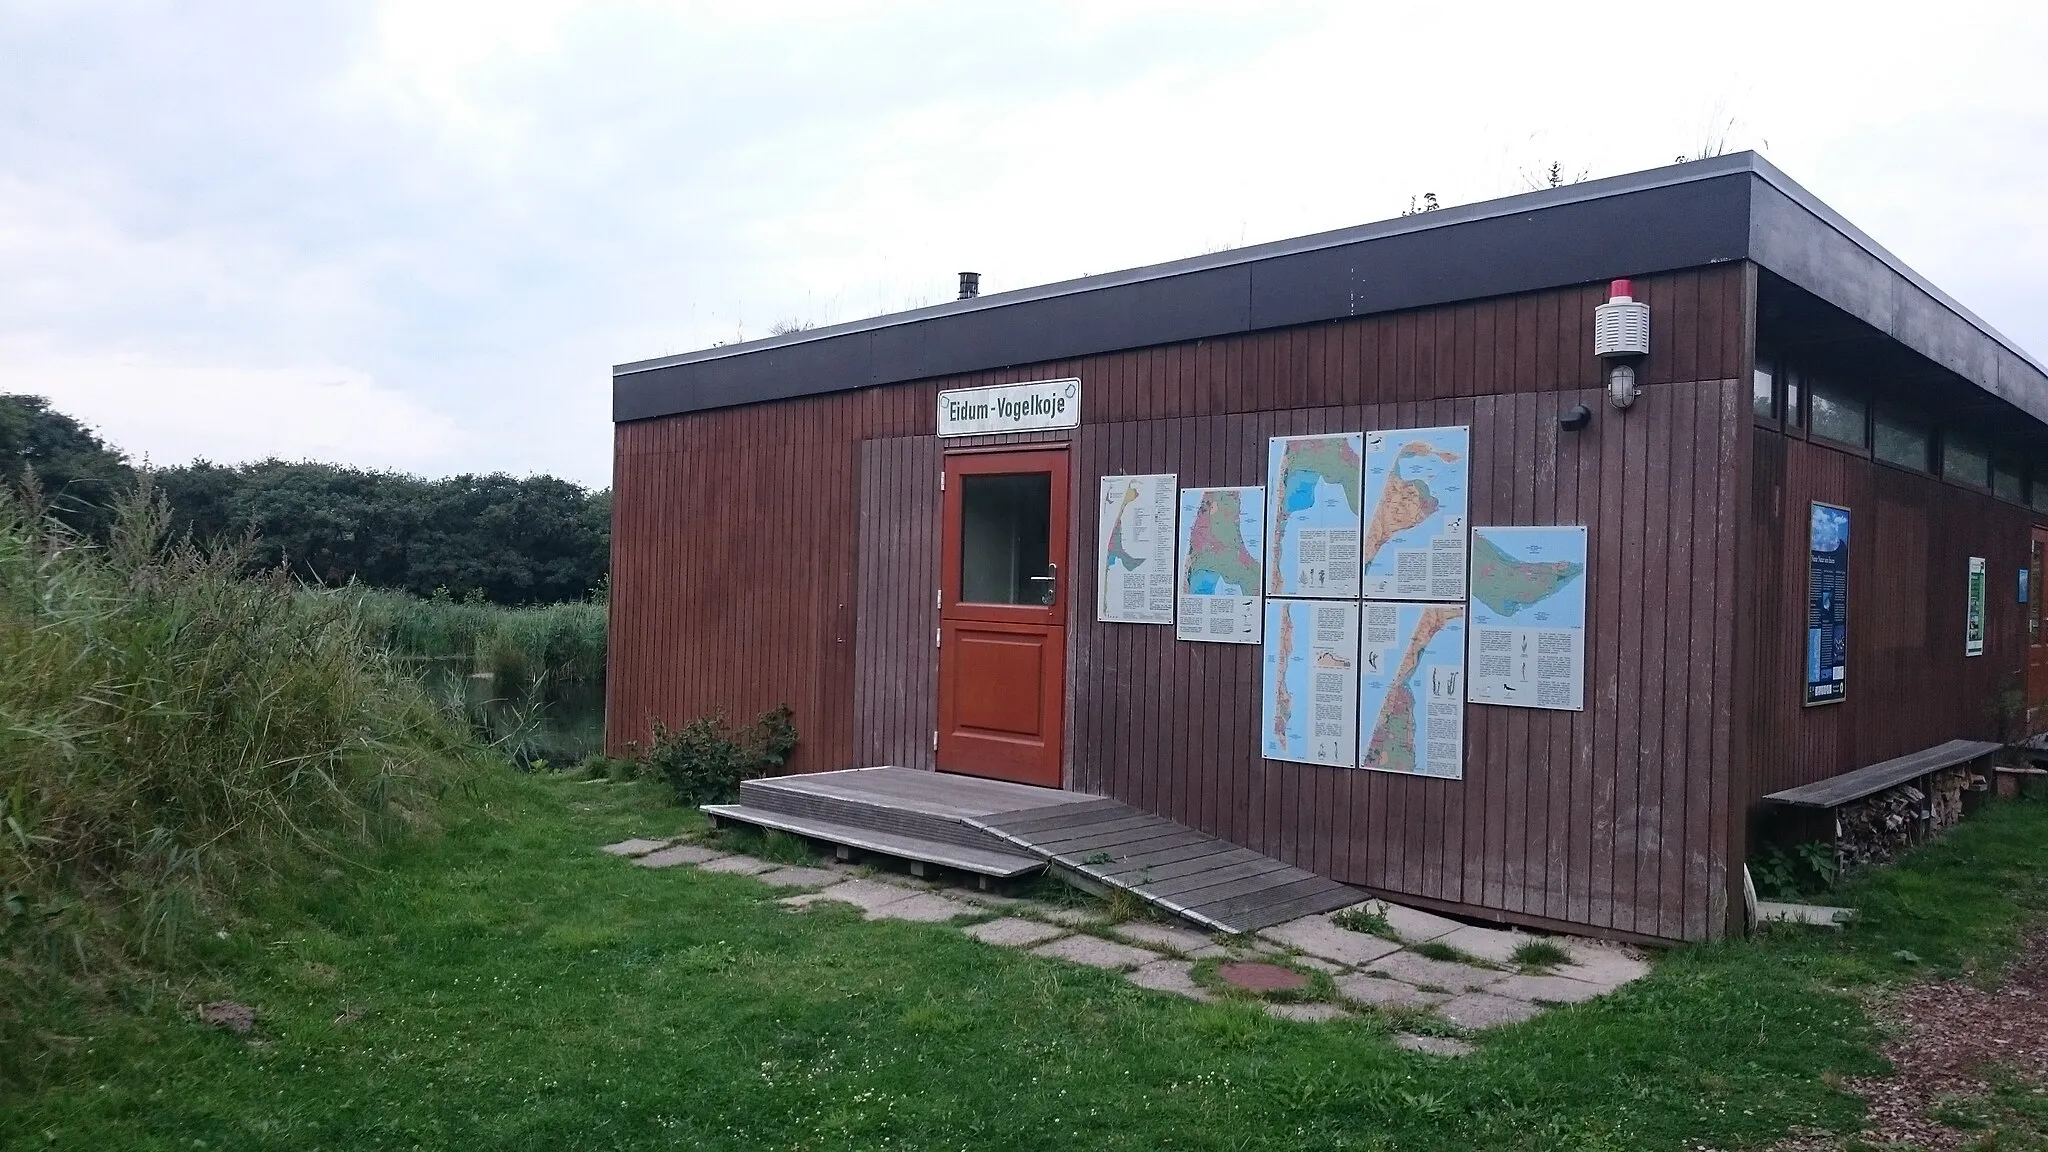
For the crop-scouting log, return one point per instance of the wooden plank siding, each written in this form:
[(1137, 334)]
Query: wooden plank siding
[(1602, 819), (1910, 539)]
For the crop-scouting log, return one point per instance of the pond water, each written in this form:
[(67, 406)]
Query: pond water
[(561, 723)]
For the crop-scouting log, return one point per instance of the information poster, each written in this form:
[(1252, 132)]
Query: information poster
[(1827, 606), (1310, 708), (1412, 688), (1222, 537), (1313, 484), (1973, 627), (1529, 617), (1417, 496), (1134, 561)]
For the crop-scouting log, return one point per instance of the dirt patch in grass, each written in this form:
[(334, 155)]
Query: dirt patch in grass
[(1970, 1062)]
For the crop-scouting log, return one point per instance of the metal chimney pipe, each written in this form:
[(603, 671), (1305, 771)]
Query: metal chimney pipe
[(970, 285)]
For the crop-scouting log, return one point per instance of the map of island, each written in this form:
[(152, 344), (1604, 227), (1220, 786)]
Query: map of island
[(1316, 485), (1118, 553), (1418, 708), (1528, 617), (1222, 537), (1508, 585), (1309, 710), (1134, 558), (1417, 482)]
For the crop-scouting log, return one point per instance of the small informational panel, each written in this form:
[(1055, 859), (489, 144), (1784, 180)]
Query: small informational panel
[(1310, 709), (1314, 490), (1134, 552), (1411, 676), (1529, 617), (1029, 407), (1222, 540), (1417, 499), (1827, 605), (1973, 626)]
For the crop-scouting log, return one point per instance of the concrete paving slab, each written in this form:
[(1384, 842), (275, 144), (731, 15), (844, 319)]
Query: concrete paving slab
[(1421, 970), (1547, 989), (680, 854), (1607, 965), (1169, 976), (1433, 1045), (865, 895), (1480, 1010), (1413, 924), (1306, 1013), (1163, 936), (1071, 917), (1486, 943), (800, 877), (738, 865), (1382, 993), (1015, 932), (922, 908), (635, 847), (1095, 952), (1319, 964), (1320, 936)]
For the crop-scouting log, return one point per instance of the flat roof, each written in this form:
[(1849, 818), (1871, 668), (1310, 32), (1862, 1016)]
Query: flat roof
[(1704, 212)]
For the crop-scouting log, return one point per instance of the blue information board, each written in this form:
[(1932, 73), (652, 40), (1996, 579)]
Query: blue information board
[(1827, 606)]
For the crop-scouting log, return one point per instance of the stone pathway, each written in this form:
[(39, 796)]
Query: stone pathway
[(1414, 963)]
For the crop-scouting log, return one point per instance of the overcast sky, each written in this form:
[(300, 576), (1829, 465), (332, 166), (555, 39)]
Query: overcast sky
[(416, 235)]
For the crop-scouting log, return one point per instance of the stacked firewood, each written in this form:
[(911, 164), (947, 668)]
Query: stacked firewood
[(1876, 829)]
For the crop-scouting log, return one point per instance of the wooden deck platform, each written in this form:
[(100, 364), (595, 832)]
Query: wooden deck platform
[(996, 829)]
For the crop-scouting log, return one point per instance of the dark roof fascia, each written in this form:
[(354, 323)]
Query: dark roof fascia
[(1686, 215)]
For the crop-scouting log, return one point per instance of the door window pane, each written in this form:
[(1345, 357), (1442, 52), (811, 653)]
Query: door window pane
[(1963, 459), (1903, 442), (1838, 413), (1005, 526)]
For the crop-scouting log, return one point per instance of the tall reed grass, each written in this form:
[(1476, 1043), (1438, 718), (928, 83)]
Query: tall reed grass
[(523, 648), (174, 736)]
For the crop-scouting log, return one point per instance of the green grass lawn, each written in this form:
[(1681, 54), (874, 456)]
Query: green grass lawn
[(505, 986)]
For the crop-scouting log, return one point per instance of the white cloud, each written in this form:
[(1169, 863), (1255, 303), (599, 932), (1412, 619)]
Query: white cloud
[(476, 208), (175, 413)]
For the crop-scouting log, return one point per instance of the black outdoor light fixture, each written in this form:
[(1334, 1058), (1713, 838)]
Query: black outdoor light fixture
[(1576, 419)]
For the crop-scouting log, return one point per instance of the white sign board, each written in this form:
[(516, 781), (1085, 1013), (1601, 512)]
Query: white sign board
[(1528, 617), (1222, 542), (1134, 550), (1310, 710), (1031, 407)]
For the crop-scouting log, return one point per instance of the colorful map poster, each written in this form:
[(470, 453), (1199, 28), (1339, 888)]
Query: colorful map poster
[(1417, 498), (1314, 491), (1222, 537), (1529, 617), (1827, 605), (1134, 561), (1310, 710), (1412, 689)]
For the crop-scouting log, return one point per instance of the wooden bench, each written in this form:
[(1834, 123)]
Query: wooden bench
[(1836, 791)]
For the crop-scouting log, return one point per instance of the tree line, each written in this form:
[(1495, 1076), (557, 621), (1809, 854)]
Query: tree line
[(504, 539)]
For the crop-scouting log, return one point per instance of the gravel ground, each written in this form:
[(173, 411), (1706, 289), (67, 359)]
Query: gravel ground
[(1943, 1038)]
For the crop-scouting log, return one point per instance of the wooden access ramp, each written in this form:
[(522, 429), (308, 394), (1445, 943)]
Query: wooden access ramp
[(998, 830)]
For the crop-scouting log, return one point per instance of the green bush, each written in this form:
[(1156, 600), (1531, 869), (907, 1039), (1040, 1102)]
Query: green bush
[(172, 736), (704, 760)]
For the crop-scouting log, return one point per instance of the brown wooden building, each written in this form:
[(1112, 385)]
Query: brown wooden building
[(781, 531)]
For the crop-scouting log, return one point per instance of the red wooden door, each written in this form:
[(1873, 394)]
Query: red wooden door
[(1002, 615), (2037, 637)]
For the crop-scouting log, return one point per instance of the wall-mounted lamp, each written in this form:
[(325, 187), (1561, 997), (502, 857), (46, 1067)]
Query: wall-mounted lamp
[(1576, 419), (1621, 336)]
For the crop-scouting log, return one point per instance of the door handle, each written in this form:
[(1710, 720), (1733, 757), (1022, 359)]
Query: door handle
[(1052, 584)]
